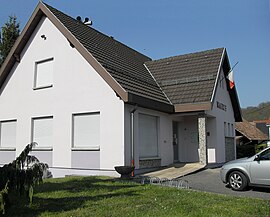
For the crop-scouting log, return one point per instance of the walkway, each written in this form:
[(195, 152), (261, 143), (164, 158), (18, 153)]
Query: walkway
[(175, 171)]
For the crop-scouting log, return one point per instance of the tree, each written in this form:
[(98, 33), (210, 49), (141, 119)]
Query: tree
[(10, 32), (20, 177)]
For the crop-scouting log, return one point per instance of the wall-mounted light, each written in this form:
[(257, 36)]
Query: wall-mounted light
[(17, 57), (43, 37)]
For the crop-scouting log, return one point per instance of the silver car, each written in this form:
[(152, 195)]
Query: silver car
[(252, 171)]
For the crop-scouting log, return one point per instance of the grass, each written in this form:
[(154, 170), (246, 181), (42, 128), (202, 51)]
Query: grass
[(103, 196)]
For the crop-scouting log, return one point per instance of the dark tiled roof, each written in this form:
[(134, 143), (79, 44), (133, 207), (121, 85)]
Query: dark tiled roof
[(250, 131), (188, 78), (123, 63)]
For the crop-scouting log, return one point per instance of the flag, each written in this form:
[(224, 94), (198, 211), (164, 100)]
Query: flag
[(230, 77)]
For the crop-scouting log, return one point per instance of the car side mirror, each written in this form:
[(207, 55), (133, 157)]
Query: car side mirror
[(257, 158)]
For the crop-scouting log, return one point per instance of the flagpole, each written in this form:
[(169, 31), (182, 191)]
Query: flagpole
[(230, 71), (233, 67)]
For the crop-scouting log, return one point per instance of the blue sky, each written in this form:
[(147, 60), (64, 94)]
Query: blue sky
[(163, 28)]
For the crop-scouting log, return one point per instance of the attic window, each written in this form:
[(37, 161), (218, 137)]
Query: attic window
[(44, 74)]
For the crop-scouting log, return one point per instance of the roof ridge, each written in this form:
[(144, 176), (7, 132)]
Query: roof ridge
[(187, 54), (118, 59), (99, 32)]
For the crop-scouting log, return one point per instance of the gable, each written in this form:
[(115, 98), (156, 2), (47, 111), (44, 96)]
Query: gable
[(73, 79), (221, 104)]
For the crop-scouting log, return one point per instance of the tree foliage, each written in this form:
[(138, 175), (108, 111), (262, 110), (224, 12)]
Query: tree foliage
[(20, 177), (10, 32), (260, 112)]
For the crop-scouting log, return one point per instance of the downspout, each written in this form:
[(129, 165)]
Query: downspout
[(132, 137)]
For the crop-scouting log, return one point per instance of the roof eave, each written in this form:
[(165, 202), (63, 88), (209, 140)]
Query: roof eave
[(150, 103), (190, 107), (14, 54)]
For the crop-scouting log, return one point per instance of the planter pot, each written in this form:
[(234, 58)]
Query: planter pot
[(124, 171)]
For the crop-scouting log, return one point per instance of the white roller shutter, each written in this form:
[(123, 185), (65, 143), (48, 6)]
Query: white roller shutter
[(86, 130), (148, 136), (44, 73), (8, 134), (43, 131)]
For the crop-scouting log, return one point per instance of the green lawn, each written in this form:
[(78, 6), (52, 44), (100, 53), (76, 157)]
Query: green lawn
[(101, 196)]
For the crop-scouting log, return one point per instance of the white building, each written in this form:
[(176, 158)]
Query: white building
[(92, 103)]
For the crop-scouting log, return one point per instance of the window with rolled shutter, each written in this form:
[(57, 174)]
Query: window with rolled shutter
[(8, 134), (44, 73), (148, 136), (42, 131), (86, 130)]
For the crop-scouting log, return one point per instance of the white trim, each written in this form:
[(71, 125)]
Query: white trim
[(93, 148), (42, 149), (42, 87), (218, 74), (7, 149)]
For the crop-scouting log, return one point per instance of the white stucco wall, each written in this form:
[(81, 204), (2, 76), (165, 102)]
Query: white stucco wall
[(77, 88), (216, 140)]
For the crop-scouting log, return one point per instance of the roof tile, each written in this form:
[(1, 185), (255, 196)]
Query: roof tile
[(188, 78), (123, 63)]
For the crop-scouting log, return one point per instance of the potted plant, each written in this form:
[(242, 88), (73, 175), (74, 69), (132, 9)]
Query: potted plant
[(124, 171)]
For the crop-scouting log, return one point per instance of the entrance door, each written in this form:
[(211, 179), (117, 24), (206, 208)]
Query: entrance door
[(175, 142)]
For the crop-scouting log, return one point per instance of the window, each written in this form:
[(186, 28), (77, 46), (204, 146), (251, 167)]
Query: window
[(148, 136), (44, 73), (42, 131), (86, 131), (225, 129), (232, 129), (265, 155), (8, 134)]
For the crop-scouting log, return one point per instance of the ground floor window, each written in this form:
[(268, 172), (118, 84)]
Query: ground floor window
[(86, 130), (8, 134), (42, 131), (148, 136)]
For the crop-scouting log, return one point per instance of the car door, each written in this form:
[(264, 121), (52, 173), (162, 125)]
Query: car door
[(259, 169)]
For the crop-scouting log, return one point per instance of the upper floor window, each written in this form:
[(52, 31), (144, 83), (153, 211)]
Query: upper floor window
[(44, 73), (8, 134)]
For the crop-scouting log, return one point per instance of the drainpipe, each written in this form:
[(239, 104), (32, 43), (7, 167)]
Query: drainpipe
[(132, 137)]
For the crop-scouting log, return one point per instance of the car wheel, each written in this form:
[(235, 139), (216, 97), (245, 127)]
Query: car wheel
[(238, 181)]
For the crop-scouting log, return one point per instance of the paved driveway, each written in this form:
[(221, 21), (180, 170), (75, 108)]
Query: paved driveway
[(208, 180)]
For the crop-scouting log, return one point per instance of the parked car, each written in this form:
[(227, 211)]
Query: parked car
[(251, 171)]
